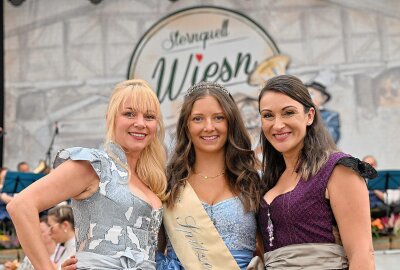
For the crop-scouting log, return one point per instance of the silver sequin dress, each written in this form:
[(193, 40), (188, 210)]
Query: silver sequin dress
[(114, 228)]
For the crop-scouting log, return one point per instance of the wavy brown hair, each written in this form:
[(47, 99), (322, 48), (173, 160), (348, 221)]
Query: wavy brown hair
[(240, 159), (318, 144)]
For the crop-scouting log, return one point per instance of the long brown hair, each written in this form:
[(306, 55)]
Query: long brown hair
[(239, 157), (318, 144)]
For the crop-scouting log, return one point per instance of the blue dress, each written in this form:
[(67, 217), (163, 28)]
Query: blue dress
[(236, 227)]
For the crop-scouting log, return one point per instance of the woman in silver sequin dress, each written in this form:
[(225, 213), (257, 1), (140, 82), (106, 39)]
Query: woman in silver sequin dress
[(117, 191)]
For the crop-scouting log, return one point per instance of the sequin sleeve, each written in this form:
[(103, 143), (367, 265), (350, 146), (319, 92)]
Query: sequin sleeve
[(79, 153)]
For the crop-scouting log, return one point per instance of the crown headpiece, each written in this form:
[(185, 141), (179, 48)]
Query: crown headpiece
[(206, 85)]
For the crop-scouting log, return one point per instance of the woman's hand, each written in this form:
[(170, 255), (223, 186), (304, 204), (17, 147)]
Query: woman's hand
[(69, 264), (10, 265)]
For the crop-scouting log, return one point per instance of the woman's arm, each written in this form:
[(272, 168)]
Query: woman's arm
[(380, 194), (349, 200), (6, 198), (70, 179)]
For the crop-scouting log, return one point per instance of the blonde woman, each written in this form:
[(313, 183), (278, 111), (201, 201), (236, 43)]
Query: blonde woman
[(117, 192)]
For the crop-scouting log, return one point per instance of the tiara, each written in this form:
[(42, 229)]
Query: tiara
[(206, 85)]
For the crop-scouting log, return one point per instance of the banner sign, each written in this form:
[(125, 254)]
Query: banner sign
[(206, 44)]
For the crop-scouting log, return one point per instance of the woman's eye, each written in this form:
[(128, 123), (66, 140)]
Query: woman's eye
[(266, 115), (220, 118), (288, 113), (129, 114), (150, 117), (196, 118)]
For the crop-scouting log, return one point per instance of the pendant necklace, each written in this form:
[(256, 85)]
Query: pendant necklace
[(270, 228)]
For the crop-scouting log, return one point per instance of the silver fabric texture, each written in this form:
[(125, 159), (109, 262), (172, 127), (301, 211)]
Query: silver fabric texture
[(113, 221), (92, 261), (307, 257)]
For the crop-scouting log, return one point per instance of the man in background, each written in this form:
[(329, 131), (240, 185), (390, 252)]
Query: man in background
[(320, 96), (371, 160), (23, 167)]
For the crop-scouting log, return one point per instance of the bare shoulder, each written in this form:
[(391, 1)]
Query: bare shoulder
[(345, 182), (345, 175)]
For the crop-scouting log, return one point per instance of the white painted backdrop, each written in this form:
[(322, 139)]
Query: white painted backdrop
[(63, 57)]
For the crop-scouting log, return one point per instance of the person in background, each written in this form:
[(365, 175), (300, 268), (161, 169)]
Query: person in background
[(390, 197), (309, 187), (371, 160), (3, 172), (320, 96), (3, 211), (117, 191), (23, 167), (6, 198), (49, 243), (61, 224), (376, 197)]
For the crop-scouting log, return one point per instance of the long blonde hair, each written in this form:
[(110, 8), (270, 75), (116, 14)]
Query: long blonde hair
[(151, 164)]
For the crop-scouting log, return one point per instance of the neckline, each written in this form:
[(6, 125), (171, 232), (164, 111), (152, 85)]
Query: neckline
[(212, 205), (117, 150), (145, 202), (282, 194), (220, 202)]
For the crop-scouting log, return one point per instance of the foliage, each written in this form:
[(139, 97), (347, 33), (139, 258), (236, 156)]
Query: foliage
[(386, 226)]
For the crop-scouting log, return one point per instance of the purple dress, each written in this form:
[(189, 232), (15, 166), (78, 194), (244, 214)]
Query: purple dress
[(304, 215)]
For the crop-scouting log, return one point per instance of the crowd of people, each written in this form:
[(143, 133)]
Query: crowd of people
[(211, 205), (56, 236)]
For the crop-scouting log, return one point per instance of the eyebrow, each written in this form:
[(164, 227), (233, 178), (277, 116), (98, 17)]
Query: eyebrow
[(135, 110), (200, 113), (284, 108)]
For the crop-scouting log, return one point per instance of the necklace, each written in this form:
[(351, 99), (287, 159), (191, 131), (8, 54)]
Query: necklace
[(270, 228), (209, 177)]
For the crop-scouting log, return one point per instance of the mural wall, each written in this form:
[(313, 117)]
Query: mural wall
[(63, 57)]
